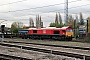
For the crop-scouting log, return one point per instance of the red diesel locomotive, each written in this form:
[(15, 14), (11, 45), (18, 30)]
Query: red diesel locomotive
[(64, 33)]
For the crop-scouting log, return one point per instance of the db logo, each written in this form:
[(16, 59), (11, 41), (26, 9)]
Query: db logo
[(44, 31)]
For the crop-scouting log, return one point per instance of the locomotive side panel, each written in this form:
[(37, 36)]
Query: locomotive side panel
[(49, 31), (30, 32), (62, 31), (39, 31)]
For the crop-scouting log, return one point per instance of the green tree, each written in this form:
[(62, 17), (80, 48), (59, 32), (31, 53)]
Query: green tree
[(56, 25), (15, 30), (52, 24), (59, 25)]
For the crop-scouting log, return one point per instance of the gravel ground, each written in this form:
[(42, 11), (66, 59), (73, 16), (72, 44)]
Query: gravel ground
[(70, 50), (32, 54), (46, 57)]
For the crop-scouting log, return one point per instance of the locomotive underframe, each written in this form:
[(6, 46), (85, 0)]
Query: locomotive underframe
[(47, 36)]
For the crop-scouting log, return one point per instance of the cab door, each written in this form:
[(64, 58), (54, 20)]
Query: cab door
[(62, 32)]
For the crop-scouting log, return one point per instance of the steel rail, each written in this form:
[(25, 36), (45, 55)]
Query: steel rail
[(64, 46), (49, 51), (9, 57)]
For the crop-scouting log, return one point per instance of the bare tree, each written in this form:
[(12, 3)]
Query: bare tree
[(56, 19), (60, 19), (77, 21), (70, 18), (70, 21), (31, 22), (24, 27), (39, 22), (36, 22), (16, 26), (81, 19)]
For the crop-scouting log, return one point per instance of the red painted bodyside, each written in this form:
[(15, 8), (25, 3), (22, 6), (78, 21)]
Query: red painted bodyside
[(50, 31), (30, 32), (39, 31), (62, 31)]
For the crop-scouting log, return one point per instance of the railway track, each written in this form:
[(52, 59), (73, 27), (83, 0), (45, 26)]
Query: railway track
[(74, 47), (12, 57), (48, 51)]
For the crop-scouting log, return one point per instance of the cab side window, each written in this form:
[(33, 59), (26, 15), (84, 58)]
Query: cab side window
[(63, 30), (70, 30), (34, 31), (67, 30), (56, 32)]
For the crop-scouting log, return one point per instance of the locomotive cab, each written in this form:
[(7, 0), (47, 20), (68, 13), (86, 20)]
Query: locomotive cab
[(69, 32)]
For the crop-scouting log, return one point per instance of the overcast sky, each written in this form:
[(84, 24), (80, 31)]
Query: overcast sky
[(22, 10)]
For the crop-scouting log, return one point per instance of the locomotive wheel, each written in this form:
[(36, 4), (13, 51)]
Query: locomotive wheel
[(70, 39), (22, 37), (25, 37)]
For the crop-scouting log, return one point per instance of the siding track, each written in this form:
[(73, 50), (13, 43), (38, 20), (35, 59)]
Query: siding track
[(48, 51)]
